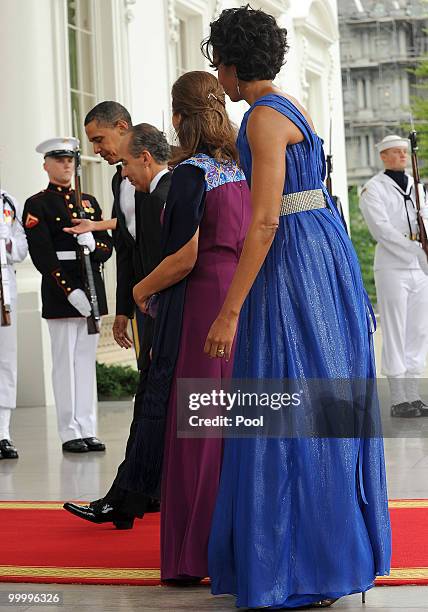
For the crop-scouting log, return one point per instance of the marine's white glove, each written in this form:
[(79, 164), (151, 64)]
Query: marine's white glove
[(424, 212), (5, 231), (87, 239), (78, 299), (421, 255)]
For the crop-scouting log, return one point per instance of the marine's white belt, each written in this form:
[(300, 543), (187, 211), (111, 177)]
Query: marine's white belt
[(300, 201), (66, 255)]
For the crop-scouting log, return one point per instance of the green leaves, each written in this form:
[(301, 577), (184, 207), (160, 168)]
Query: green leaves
[(363, 244), (116, 382)]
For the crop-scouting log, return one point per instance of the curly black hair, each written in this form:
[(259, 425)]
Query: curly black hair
[(249, 39)]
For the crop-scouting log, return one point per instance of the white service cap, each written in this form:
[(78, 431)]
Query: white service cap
[(58, 147), (391, 141)]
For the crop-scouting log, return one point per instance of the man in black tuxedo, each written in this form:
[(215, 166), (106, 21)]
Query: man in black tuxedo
[(137, 244)]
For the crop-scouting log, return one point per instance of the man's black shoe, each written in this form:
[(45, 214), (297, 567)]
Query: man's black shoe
[(7, 450), (75, 446), (104, 514), (94, 444), (405, 411), (423, 408)]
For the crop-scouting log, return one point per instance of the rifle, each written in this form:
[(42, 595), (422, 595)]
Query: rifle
[(94, 318), (419, 188), (329, 183), (5, 317)]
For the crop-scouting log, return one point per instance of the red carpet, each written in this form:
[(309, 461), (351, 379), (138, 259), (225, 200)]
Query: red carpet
[(43, 543)]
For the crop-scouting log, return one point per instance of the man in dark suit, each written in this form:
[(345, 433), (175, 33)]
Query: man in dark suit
[(137, 243)]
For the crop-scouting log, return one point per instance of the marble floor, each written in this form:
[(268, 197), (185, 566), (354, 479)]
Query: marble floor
[(43, 472)]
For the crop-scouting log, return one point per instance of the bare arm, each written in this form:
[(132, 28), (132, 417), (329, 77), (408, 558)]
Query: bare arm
[(170, 271), (82, 226), (268, 134)]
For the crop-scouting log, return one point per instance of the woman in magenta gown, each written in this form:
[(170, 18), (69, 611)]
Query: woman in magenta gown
[(204, 226)]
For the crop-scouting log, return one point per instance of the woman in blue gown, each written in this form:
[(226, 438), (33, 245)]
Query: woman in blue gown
[(299, 521)]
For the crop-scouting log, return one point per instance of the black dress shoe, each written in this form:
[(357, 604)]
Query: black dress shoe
[(103, 514), (7, 450), (94, 444), (75, 446), (423, 408), (405, 411)]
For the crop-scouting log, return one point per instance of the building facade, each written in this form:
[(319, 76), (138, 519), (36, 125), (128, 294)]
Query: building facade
[(380, 43), (61, 57)]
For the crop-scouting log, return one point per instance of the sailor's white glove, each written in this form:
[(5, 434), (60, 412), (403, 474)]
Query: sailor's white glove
[(78, 299), (421, 255), (87, 239), (5, 231)]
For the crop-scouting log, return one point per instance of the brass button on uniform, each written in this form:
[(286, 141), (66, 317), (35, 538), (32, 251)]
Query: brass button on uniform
[(74, 214), (67, 197), (58, 219), (70, 206)]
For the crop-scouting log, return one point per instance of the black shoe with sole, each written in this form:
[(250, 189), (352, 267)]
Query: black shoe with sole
[(103, 514), (94, 444), (8, 450), (75, 446), (405, 411), (423, 408)]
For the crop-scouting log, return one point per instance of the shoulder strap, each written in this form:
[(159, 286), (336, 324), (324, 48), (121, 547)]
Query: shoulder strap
[(289, 110)]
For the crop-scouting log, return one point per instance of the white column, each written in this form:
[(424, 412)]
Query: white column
[(369, 93), (148, 63), (28, 116), (405, 96), (360, 93)]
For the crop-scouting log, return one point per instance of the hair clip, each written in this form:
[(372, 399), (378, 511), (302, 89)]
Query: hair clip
[(211, 95)]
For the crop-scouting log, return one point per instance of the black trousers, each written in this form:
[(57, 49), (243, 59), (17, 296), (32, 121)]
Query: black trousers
[(130, 502)]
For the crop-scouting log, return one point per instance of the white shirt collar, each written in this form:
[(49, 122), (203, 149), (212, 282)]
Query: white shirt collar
[(156, 179)]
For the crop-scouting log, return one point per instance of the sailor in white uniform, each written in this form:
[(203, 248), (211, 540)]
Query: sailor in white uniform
[(12, 234), (388, 205)]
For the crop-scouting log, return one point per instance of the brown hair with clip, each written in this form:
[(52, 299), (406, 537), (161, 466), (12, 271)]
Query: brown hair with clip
[(205, 126)]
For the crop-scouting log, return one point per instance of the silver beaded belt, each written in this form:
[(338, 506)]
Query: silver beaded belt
[(301, 201)]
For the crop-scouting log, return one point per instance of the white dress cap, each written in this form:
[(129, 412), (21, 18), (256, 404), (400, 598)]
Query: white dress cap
[(58, 147), (392, 141)]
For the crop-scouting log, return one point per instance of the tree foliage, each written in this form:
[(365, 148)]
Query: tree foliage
[(363, 244), (419, 105)]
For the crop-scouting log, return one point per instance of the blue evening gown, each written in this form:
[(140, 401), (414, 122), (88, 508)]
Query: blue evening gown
[(301, 519)]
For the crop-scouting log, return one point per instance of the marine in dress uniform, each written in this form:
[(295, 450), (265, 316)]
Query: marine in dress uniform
[(57, 256), (12, 232), (388, 205)]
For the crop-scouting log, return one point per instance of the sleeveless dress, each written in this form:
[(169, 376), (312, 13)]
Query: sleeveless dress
[(191, 466), (301, 519)]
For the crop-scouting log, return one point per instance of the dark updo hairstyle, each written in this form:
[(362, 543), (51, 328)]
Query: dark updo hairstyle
[(249, 39), (205, 126)]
